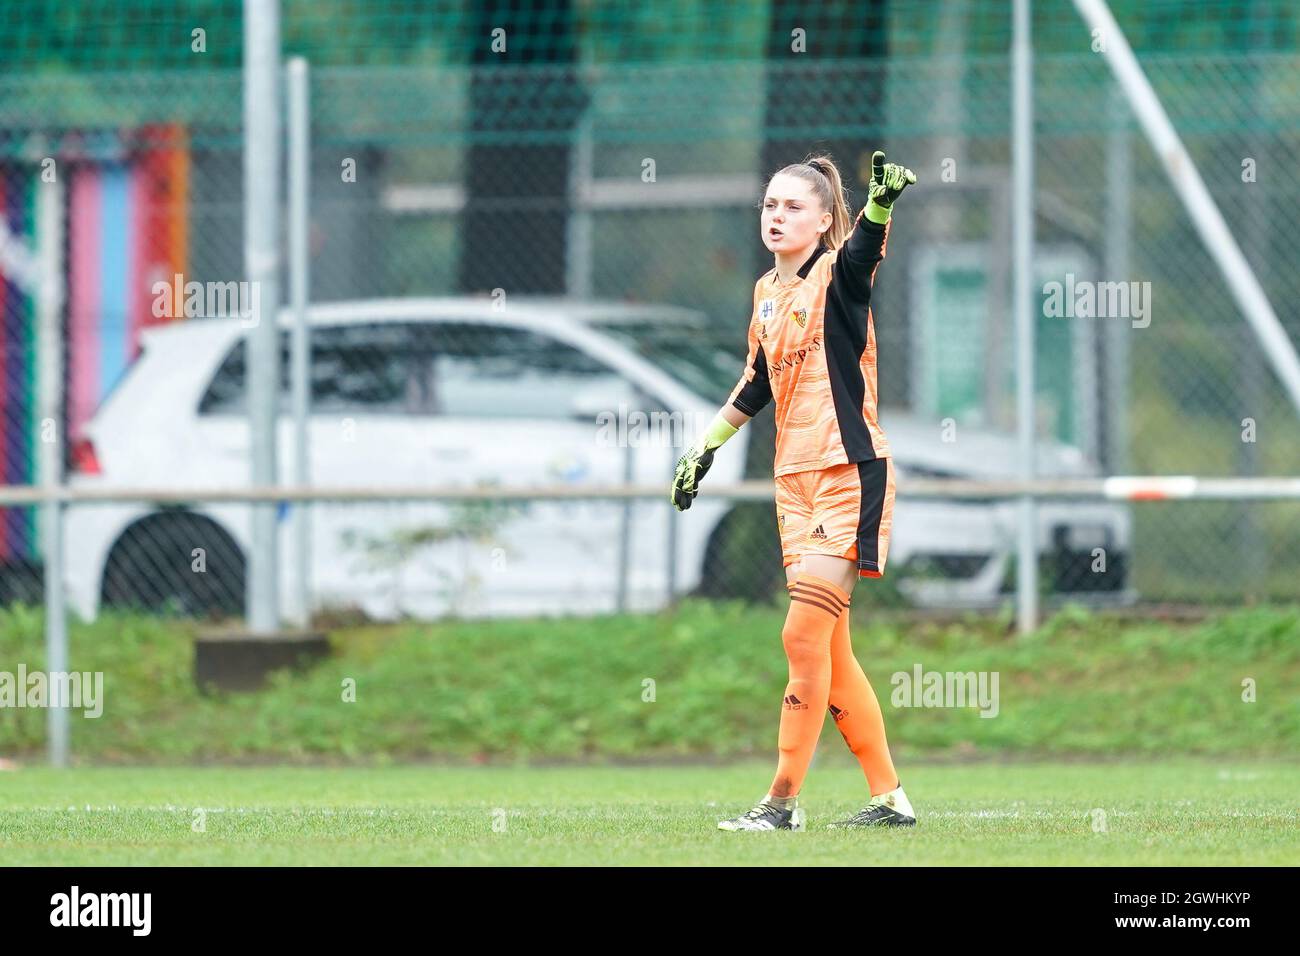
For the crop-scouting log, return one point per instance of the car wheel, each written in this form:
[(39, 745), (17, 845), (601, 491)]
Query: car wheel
[(743, 556), (176, 562)]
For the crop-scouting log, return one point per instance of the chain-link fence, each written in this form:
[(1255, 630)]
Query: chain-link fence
[(519, 203)]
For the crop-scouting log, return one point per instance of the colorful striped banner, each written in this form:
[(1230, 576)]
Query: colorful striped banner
[(127, 227)]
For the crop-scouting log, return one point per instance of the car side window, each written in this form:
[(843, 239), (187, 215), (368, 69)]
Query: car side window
[(485, 371), (226, 395), (433, 368), (357, 369), (374, 369)]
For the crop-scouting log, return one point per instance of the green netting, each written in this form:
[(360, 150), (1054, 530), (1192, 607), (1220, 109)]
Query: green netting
[(78, 35)]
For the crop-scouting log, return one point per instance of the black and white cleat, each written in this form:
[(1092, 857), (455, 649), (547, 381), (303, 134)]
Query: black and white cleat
[(886, 810), (766, 817)]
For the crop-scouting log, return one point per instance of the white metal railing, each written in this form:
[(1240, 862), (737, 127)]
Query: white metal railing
[(1115, 488)]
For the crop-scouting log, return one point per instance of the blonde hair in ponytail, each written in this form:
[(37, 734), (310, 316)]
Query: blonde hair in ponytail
[(824, 175)]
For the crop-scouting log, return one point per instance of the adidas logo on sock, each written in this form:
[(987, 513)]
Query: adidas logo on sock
[(793, 703), (837, 713)]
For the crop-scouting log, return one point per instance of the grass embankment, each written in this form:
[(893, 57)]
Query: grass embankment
[(703, 680)]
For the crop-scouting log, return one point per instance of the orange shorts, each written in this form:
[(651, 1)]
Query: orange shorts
[(846, 511)]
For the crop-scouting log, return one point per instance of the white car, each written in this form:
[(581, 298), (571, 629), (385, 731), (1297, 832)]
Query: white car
[(468, 392), (960, 553), (407, 393)]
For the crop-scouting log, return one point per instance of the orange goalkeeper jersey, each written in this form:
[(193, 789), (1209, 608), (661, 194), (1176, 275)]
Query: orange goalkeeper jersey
[(812, 347)]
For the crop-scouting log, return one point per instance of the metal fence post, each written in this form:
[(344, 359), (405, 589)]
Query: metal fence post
[(625, 529), (1119, 221), (579, 267), (1022, 238), (50, 413), (297, 83), (262, 266)]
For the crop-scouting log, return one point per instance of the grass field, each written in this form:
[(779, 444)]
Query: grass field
[(1179, 812), (496, 742)]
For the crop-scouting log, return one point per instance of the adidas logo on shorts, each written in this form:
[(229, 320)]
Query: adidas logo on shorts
[(819, 534)]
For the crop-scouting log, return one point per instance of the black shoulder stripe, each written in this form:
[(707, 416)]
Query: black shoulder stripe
[(806, 268), (757, 392)]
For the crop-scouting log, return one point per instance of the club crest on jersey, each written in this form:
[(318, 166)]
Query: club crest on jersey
[(800, 316)]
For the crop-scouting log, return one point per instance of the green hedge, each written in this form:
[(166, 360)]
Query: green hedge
[(566, 688)]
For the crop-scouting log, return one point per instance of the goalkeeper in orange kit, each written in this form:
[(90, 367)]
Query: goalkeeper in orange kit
[(812, 349)]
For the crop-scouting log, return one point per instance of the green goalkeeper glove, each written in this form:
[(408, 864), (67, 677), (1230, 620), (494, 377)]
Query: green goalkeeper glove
[(695, 464), (888, 180)]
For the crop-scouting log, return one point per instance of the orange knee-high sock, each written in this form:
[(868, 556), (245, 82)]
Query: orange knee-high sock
[(856, 711), (815, 605)]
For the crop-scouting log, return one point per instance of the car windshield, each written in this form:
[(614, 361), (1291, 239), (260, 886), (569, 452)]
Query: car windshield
[(689, 353)]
